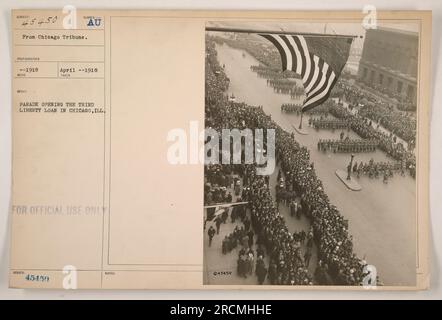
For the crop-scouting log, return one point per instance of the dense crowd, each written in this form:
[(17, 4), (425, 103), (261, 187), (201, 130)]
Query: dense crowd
[(329, 228), (402, 103), (216, 81), (398, 122), (214, 194), (218, 179), (382, 89), (386, 142), (239, 236), (286, 262), (407, 106)]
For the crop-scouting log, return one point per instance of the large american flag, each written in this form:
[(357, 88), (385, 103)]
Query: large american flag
[(319, 61)]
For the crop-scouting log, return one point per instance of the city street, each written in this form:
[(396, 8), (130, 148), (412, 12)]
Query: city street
[(382, 217), (217, 264)]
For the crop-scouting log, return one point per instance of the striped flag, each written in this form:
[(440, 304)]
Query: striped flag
[(318, 60)]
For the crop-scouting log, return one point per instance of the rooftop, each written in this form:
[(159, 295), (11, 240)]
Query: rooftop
[(398, 31)]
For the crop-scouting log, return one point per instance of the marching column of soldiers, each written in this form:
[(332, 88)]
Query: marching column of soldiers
[(291, 108), (321, 110), (267, 72), (347, 145), (285, 86), (321, 123), (374, 169)]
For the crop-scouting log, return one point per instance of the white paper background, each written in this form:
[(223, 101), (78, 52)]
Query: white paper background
[(435, 291)]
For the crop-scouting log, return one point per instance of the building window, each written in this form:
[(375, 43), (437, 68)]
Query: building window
[(399, 86), (389, 81), (410, 92), (364, 74), (381, 79)]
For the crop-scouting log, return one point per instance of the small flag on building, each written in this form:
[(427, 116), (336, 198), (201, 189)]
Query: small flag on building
[(319, 61)]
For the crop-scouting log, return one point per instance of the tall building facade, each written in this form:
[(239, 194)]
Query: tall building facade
[(389, 61)]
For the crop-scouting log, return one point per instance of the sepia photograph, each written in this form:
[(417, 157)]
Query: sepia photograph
[(221, 150), (310, 168)]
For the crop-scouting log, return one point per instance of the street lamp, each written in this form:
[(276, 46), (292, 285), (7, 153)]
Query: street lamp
[(300, 122), (350, 166), (302, 111)]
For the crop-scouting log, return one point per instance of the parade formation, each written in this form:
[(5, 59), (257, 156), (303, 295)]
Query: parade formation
[(261, 236), (322, 110), (347, 145), (324, 123), (275, 250)]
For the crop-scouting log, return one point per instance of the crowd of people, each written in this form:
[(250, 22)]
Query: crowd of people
[(330, 229), (407, 106), (386, 142), (381, 89), (287, 264), (403, 103), (215, 194), (216, 81), (239, 236), (352, 95), (347, 145), (218, 180), (400, 123), (286, 261)]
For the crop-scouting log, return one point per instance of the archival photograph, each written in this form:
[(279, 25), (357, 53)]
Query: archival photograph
[(310, 153)]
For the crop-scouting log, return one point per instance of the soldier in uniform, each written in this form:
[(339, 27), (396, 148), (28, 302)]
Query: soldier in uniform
[(307, 256), (218, 221), (261, 270), (211, 233)]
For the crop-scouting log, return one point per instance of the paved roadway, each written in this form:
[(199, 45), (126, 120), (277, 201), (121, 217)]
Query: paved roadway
[(382, 217)]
